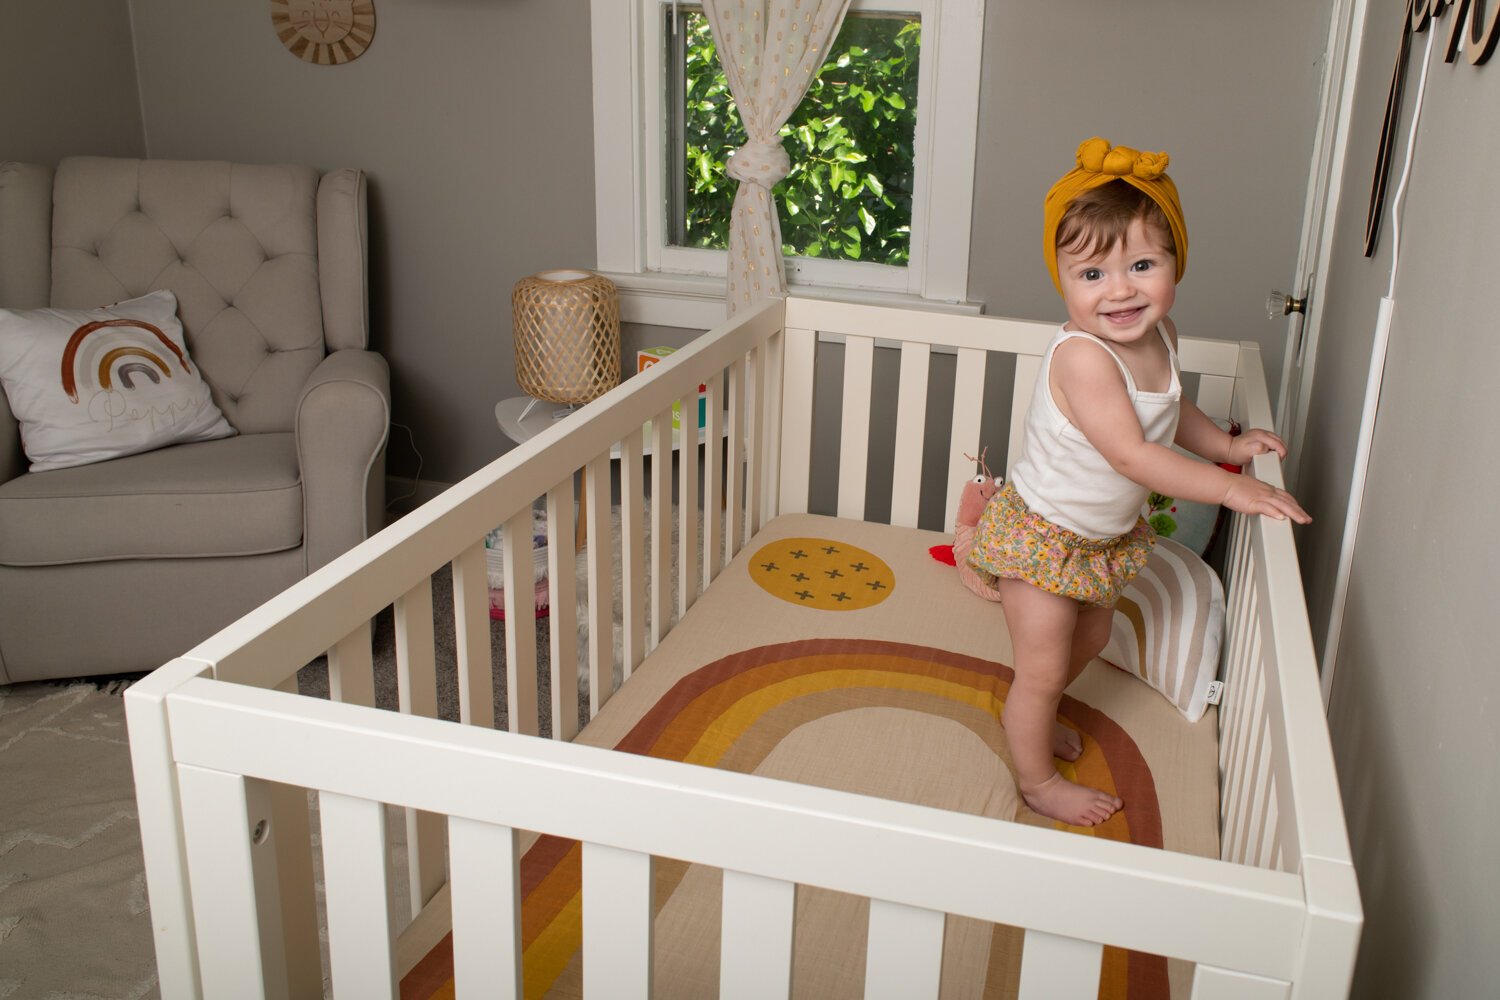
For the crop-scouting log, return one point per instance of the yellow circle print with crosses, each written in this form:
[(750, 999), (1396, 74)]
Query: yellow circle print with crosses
[(821, 573)]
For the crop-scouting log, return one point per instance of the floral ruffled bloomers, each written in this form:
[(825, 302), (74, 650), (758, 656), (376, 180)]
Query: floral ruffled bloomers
[(1011, 542)]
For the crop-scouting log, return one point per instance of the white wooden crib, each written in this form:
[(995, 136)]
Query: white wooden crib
[(225, 749)]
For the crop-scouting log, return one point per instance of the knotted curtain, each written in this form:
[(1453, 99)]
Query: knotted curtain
[(771, 50)]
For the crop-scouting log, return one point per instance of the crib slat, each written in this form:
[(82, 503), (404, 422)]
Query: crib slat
[(471, 613), (296, 885), (734, 488), (361, 929), (911, 411), (416, 673), (1236, 666), (854, 439), (240, 947), (904, 954), (1215, 394), (425, 833), (797, 418), (351, 669), (689, 563), (1028, 367), (756, 942), (617, 922), (486, 909), (1235, 786), (1251, 787), (601, 586), (773, 354), (1231, 751), (562, 624), (1236, 672), (1271, 854), (632, 551), (715, 525), (968, 405), (1059, 967), (1210, 983), (1259, 829), (755, 423), (661, 526), (520, 627), (416, 683)]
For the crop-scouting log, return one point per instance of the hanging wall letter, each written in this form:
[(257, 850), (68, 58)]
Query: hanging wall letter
[(1483, 23)]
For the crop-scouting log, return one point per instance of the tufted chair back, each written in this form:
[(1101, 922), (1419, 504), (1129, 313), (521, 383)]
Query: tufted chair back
[(165, 547), (259, 300)]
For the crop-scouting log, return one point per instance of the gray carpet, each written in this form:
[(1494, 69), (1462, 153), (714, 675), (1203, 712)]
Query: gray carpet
[(313, 680), (74, 923), (73, 917)]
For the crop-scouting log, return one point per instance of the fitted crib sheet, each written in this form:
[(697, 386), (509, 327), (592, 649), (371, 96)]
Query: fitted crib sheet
[(840, 653)]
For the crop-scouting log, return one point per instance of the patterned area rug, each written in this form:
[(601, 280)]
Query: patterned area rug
[(74, 923), (73, 917)]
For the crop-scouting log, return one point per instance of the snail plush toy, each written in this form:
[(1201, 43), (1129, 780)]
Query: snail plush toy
[(971, 503)]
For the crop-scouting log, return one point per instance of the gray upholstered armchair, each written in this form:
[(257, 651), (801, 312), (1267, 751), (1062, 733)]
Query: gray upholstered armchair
[(121, 565)]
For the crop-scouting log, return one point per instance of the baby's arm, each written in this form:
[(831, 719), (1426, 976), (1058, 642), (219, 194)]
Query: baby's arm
[(1197, 432), (1095, 399)]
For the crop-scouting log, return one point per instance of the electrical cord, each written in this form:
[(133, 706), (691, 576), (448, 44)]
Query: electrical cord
[(416, 476)]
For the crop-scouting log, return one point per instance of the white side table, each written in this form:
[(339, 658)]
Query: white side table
[(508, 414)]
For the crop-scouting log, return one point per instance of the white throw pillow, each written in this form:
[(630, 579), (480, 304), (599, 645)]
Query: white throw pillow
[(94, 384)]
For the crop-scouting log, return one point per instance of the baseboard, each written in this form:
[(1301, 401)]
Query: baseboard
[(403, 495)]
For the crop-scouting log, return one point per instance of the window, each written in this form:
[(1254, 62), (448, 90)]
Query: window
[(896, 213)]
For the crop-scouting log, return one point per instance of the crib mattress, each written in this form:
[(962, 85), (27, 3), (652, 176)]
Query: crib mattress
[(840, 653)]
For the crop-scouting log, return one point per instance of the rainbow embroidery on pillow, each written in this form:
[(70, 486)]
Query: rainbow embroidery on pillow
[(106, 359)]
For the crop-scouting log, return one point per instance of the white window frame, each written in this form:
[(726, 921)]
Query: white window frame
[(675, 286)]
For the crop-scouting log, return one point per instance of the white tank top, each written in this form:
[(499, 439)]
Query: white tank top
[(1063, 477)]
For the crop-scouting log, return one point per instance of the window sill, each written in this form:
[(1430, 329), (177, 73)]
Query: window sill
[(696, 302)]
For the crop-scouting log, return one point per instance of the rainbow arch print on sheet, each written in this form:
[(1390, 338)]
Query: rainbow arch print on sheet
[(123, 353), (733, 712)]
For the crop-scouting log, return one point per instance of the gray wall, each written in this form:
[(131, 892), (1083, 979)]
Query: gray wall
[(67, 73), (1416, 688), (1230, 90), (473, 121)]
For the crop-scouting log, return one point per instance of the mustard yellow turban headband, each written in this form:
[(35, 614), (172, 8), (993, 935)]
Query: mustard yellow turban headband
[(1098, 164)]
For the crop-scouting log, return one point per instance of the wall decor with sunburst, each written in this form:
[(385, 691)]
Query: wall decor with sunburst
[(324, 32)]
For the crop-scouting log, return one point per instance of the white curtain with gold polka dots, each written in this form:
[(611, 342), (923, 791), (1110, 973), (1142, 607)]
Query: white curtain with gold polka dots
[(770, 50)]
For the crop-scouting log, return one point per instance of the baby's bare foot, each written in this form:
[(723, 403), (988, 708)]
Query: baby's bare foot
[(1066, 744), (1061, 799)]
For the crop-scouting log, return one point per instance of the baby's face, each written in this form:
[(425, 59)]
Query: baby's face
[(1119, 295)]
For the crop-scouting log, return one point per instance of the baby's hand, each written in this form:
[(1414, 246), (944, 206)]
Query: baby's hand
[(1251, 496), (1255, 441)]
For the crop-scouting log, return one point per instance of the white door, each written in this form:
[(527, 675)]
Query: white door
[(1307, 284)]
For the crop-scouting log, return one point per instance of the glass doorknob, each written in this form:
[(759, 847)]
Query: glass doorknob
[(1280, 304)]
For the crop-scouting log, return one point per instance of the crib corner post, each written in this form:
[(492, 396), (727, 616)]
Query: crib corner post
[(1330, 937), (159, 806)]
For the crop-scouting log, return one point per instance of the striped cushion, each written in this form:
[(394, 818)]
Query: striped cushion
[(1169, 625)]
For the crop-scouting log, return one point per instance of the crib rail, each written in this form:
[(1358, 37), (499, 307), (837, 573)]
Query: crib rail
[(977, 342), (232, 742), (331, 611), (1277, 916)]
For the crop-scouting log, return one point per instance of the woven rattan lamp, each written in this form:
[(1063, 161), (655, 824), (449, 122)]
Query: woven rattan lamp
[(567, 334)]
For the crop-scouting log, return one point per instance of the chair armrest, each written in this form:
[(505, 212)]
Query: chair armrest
[(12, 457), (343, 419)]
